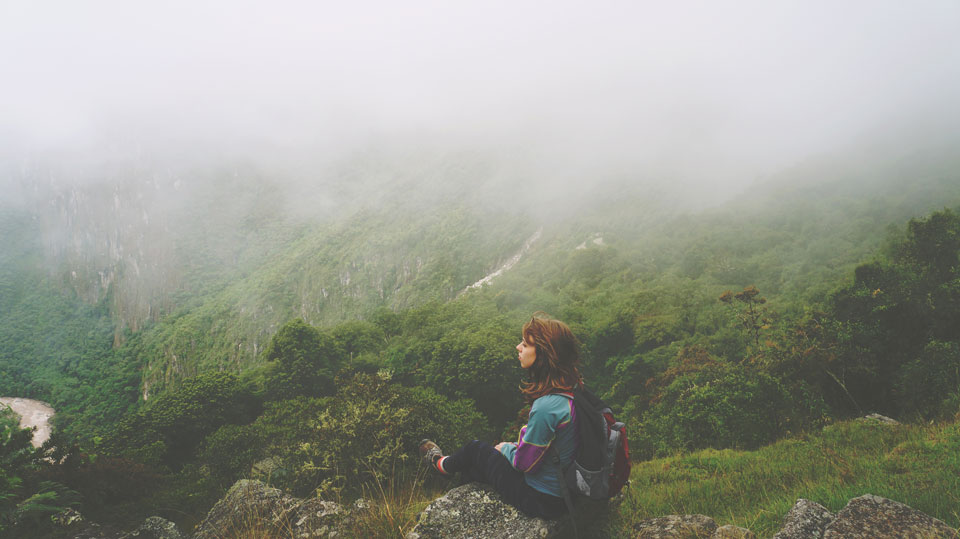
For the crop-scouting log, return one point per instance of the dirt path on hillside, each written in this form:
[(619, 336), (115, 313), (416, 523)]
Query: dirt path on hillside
[(32, 414)]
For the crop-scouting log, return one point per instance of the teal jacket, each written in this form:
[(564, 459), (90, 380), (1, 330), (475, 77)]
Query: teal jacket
[(552, 423)]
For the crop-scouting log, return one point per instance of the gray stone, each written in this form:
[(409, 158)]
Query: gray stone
[(805, 520), (476, 511), (155, 528), (881, 418), (730, 531), (677, 527), (70, 523), (873, 517), (251, 508)]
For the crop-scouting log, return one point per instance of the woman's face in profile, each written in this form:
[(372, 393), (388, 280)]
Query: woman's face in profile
[(527, 354)]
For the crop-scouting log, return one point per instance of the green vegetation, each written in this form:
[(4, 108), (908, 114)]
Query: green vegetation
[(319, 360), (918, 465), (27, 499)]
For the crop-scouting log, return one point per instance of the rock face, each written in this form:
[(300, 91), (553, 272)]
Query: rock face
[(251, 508), (805, 520), (873, 517), (475, 510), (866, 517), (676, 527), (689, 527)]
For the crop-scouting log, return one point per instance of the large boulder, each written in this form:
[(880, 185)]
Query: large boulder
[(805, 520), (873, 517), (476, 510), (676, 527), (251, 508)]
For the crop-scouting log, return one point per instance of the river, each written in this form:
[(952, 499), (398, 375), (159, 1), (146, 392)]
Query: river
[(32, 414)]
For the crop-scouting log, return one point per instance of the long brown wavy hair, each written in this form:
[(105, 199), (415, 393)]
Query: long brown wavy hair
[(556, 367)]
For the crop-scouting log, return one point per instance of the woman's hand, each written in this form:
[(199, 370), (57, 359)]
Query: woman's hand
[(501, 444)]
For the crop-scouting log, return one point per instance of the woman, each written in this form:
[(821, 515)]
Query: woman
[(524, 474)]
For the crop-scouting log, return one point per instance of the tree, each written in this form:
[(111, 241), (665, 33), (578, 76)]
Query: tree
[(750, 310), (171, 426), (305, 361)]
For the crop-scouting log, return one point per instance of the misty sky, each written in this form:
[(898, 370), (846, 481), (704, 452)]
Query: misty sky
[(746, 85)]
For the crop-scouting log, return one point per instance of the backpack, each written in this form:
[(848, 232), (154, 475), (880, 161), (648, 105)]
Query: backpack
[(602, 463)]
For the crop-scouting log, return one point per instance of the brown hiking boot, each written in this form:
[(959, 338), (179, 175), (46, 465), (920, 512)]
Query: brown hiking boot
[(430, 453)]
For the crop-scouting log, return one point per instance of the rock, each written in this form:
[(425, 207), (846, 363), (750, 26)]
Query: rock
[(155, 528), (805, 520), (70, 523), (251, 508), (732, 532), (676, 527), (476, 510), (873, 517), (881, 418)]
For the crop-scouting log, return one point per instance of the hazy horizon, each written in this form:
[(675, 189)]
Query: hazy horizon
[(706, 95)]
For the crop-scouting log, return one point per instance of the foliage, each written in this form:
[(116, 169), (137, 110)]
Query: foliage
[(918, 465), (900, 322), (26, 500), (169, 428), (305, 361), (371, 428), (749, 306), (378, 293), (721, 406)]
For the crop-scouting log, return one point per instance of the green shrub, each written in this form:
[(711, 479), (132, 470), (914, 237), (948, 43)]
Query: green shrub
[(716, 407), (371, 429), (304, 360), (169, 428)]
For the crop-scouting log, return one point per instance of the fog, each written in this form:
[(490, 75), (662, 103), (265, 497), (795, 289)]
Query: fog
[(710, 95)]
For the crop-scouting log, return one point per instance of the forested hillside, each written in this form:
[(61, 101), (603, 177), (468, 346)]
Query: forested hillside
[(252, 330)]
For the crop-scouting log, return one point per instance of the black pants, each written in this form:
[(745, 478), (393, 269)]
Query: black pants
[(479, 461)]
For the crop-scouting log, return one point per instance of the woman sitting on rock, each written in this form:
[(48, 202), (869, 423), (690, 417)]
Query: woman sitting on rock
[(524, 474)]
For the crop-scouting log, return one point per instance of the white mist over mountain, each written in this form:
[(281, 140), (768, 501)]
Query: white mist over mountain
[(699, 94)]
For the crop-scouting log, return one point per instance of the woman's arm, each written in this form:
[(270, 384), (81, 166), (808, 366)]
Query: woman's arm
[(546, 415)]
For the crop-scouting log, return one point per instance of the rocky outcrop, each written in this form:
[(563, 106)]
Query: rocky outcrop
[(71, 524), (873, 517), (475, 510), (805, 520), (689, 527), (676, 527), (879, 418), (865, 517), (251, 508)]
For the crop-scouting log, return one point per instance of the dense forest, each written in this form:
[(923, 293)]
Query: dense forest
[(231, 337)]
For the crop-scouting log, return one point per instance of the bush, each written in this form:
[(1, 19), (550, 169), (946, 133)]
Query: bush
[(303, 360), (372, 428), (926, 384), (169, 428), (716, 407)]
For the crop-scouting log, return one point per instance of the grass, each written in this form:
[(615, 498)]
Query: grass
[(388, 508), (918, 465), (396, 502)]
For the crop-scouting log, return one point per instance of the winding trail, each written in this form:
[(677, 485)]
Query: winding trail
[(32, 414)]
